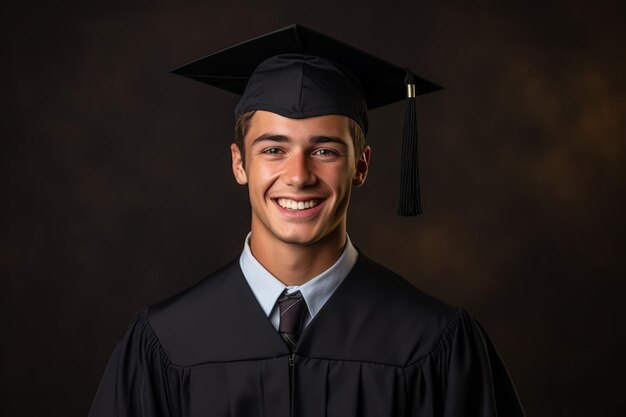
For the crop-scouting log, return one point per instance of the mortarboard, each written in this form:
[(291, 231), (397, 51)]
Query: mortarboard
[(297, 72)]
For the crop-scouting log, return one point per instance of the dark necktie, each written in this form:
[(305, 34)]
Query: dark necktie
[(292, 311)]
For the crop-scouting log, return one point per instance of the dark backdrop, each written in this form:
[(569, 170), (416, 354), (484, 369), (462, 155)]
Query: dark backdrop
[(116, 189)]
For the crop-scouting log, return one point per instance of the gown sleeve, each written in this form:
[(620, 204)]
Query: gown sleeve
[(466, 376), (135, 380)]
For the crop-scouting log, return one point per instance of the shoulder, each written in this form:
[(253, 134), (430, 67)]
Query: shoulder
[(400, 296), (213, 321), (178, 320), (201, 296), (381, 317), (426, 323)]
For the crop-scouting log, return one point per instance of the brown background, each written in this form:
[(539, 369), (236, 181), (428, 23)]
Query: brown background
[(116, 190)]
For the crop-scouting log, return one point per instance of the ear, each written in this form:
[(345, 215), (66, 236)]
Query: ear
[(362, 165), (237, 164)]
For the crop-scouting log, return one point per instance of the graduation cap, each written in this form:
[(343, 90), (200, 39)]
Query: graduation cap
[(298, 73)]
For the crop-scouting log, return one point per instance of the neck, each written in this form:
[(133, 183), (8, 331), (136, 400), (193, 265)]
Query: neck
[(296, 264)]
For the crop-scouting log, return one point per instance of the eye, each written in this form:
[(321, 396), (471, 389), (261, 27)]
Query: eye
[(325, 152), (272, 151)]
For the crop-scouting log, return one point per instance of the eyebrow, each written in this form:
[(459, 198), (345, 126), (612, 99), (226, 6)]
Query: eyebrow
[(328, 139), (269, 137)]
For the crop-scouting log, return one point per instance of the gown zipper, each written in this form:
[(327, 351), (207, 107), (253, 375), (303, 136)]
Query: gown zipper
[(291, 384)]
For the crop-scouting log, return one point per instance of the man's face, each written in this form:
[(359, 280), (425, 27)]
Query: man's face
[(299, 174)]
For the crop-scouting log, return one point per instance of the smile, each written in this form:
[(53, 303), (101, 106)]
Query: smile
[(297, 205)]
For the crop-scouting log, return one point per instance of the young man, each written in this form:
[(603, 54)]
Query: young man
[(302, 323)]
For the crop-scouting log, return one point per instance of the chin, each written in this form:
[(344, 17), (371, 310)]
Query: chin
[(307, 235), (299, 238)]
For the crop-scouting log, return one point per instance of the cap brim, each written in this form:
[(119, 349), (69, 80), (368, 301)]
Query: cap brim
[(231, 68)]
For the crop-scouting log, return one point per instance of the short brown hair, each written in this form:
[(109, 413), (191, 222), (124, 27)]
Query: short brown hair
[(243, 123)]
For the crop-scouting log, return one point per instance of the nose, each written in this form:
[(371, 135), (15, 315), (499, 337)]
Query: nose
[(298, 171)]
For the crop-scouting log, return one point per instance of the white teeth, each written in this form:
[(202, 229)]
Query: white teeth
[(297, 205)]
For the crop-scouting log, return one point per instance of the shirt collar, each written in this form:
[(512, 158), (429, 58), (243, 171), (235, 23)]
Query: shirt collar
[(267, 288)]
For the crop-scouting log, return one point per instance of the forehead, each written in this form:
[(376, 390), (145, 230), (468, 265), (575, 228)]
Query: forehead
[(332, 125)]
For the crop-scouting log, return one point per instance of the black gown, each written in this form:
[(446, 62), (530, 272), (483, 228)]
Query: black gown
[(379, 347)]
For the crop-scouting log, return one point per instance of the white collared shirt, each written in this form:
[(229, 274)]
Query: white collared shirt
[(267, 288)]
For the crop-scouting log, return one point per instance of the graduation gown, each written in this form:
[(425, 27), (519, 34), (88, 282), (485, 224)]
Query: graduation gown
[(379, 347)]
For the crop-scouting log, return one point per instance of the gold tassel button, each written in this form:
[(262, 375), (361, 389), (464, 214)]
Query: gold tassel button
[(410, 90)]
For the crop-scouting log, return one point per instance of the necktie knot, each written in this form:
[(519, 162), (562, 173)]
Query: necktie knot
[(292, 310)]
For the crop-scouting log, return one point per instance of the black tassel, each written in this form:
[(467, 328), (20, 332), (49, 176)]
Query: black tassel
[(410, 202)]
